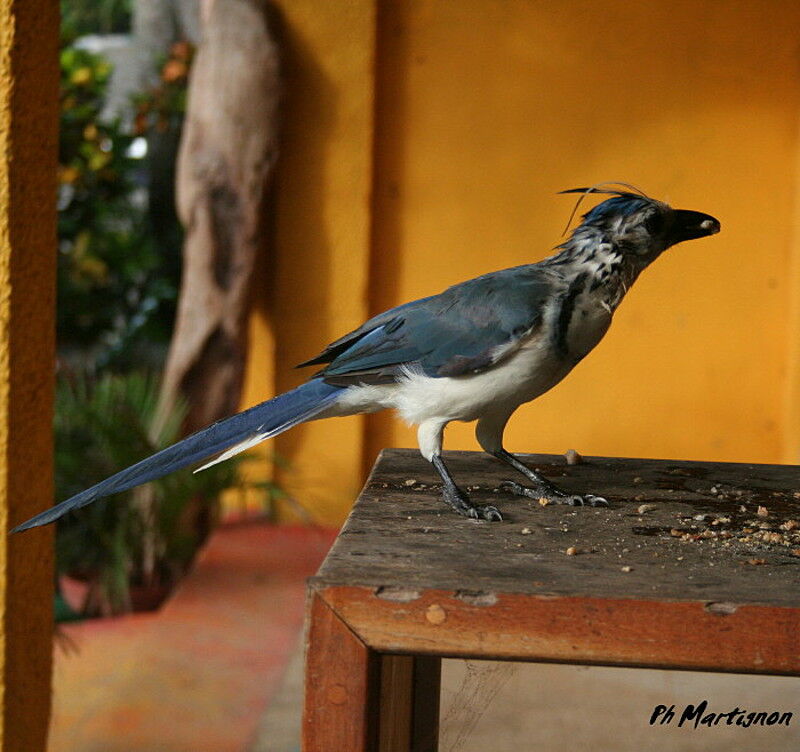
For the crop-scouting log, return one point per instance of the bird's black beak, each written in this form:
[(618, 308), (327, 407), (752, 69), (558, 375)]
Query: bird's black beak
[(689, 225)]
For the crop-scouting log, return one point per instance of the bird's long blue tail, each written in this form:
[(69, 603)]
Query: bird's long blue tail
[(267, 419)]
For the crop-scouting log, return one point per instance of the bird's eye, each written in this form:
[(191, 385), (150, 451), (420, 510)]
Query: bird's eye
[(654, 224)]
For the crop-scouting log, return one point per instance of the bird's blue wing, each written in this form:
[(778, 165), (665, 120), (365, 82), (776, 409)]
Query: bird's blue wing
[(466, 329), (339, 346)]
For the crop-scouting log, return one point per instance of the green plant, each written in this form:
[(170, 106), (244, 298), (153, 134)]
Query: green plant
[(118, 274), (116, 296), (100, 427), (164, 105), (80, 17), (159, 113)]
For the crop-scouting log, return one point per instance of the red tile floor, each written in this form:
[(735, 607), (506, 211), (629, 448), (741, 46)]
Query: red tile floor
[(198, 674)]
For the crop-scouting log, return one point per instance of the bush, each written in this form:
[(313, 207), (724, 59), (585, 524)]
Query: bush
[(118, 275), (79, 17), (116, 300), (116, 544)]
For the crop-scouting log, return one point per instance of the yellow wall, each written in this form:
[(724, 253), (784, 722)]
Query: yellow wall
[(483, 110), (28, 148), (317, 267)]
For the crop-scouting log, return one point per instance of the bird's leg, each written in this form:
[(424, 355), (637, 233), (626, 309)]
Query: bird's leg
[(543, 488), (489, 433), (430, 434), (458, 499)]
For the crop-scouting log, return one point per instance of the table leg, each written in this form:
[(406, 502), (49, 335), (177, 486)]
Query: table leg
[(342, 686), (409, 703), (359, 700)]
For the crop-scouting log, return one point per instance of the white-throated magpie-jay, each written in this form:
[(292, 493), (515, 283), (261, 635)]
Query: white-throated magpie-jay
[(475, 352)]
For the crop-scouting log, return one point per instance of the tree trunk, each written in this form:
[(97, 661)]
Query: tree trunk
[(226, 158)]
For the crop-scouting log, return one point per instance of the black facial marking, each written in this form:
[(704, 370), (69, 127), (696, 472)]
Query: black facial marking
[(654, 224), (565, 314)]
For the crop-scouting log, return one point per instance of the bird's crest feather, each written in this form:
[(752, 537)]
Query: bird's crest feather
[(604, 188)]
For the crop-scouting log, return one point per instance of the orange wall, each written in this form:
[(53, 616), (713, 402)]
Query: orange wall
[(314, 282), (28, 159), (482, 111)]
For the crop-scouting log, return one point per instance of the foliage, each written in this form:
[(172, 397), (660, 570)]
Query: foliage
[(114, 301), (79, 17), (118, 274), (158, 117), (112, 421), (164, 105)]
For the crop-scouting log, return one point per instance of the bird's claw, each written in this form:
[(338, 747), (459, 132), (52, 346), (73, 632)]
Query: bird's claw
[(554, 496), (591, 500), (576, 500), (488, 513), (462, 504)]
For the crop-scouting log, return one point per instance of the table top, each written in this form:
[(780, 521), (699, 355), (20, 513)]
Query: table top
[(673, 531)]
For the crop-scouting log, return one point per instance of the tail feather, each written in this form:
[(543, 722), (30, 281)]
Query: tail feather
[(242, 446), (268, 419), (271, 429)]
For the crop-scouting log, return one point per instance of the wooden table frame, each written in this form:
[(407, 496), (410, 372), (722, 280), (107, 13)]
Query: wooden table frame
[(359, 698), (373, 652)]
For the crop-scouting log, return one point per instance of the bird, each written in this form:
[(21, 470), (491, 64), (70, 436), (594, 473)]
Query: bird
[(474, 353)]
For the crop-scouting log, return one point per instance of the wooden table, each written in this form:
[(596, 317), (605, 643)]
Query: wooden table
[(693, 566)]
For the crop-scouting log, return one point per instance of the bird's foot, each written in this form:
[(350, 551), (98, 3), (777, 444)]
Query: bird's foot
[(554, 495), (457, 499)]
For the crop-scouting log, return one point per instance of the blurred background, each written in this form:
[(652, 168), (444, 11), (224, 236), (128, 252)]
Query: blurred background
[(428, 148), (243, 181)]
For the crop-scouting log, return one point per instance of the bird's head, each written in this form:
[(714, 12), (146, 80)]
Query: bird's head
[(639, 226)]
